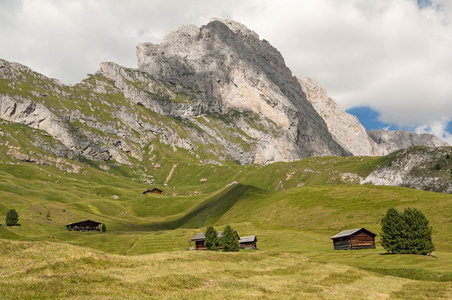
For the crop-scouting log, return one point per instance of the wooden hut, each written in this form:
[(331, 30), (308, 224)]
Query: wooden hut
[(153, 191), (87, 225), (359, 238), (248, 242), (200, 239)]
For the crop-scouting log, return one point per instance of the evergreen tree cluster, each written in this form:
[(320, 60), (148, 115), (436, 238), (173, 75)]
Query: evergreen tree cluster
[(229, 239), (12, 217), (406, 232)]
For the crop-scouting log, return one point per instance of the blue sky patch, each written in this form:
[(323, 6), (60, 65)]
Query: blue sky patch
[(424, 3), (369, 118), (449, 127)]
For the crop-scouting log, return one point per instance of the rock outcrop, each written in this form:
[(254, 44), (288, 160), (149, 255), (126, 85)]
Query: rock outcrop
[(351, 134), (204, 95), (345, 128), (387, 141), (234, 70), (423, 168)]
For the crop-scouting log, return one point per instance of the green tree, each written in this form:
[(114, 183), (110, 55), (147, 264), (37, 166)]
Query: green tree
[(212, 241), (12, 217), (103, 227), (407, 232), (391, 230), (418, 232), (229, 240)]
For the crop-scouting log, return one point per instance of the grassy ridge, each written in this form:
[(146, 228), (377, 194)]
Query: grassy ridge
[(50, 270), (293, 225)]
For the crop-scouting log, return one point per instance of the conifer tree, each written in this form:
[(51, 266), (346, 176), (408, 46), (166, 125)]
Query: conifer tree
[(407, 232), (229, 240), (212, 241), (418, 232), (12, 217), (103, 227), (391, 230)]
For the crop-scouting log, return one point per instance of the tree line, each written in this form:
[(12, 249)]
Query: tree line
[(229, 241)]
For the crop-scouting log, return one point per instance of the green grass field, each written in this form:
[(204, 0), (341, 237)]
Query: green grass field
[(144, 253)]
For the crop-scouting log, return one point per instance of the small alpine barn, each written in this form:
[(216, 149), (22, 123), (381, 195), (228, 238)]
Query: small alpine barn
[(359, 238)]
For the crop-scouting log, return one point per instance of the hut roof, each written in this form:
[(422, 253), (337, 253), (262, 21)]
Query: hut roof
[(153, 190), (202, 237), (352, 232), (84, 222), (248, 239)]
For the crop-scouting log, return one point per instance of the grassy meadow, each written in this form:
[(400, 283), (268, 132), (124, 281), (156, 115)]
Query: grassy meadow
[(144, 253)]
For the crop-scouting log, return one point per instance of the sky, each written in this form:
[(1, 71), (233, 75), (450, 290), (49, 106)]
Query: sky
[(388, 61)]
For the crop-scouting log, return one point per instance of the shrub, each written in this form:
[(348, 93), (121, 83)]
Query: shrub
[(212, 241), (103, 227), (229, 240), (447, 156), (437, 166), (12, 217), (406, 232)]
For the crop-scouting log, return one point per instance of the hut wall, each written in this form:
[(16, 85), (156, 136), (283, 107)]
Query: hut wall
[(200, 245), (249, 245), (362, 241), (342, 244)]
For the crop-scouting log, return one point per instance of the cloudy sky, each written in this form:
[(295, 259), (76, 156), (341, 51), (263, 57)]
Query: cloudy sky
[(387, 61)]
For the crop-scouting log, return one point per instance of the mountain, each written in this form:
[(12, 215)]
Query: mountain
[(351, 134), (210, 95)]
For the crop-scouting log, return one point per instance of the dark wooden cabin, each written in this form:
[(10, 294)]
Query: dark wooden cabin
[(200, 239), (153, 191), (359, 238), (87, 225), (248, 242)]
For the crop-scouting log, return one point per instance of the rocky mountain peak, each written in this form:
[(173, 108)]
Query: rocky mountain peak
[(233, 69)]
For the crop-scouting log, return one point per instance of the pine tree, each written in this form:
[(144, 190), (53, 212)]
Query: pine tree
[(407, 232), (212, 241), (12, 217), (229, 240), (418, 232), (391, 230), (103, 227)]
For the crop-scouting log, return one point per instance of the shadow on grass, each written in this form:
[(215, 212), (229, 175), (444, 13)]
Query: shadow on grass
[(416, 274), (208, 212)]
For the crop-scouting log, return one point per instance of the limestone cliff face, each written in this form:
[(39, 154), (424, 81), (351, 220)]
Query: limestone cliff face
[(352, 135), (423, 168), (204, 95), (387, 141), (346, 128), (233, 69)]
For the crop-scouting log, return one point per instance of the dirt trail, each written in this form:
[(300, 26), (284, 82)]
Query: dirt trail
[(170, 173)]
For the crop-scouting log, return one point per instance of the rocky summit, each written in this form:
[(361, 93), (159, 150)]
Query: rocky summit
[(206, 95)]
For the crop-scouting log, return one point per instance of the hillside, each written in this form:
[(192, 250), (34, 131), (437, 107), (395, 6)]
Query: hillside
[(152, 232), (211, 95), (214, 118)]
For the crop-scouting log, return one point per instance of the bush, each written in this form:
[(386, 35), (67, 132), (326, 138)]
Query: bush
[(229, 240), (103, 227), (447, 156), (212, 241), (437, 166), (406, 232), (12, 217)]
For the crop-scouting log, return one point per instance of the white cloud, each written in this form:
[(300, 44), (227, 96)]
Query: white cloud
[(388, 54), (437, 128)]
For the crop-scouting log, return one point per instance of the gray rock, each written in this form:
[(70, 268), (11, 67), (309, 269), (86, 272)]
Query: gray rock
[(233, 69)]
